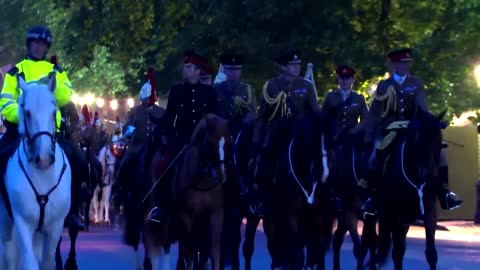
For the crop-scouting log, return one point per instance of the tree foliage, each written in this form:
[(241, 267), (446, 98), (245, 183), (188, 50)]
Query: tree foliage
[(106, 45)]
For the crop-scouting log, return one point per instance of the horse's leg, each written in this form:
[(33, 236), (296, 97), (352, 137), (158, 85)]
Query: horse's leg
[(95, 205), (71, 263), (351, 222), (138, 257), (295, 242), (249, 243), (58, 256), (273, 241), (23, 234), (188, 241), (430, 223), (106, 202), (369, 240), (50, 243), (399, 235), (384, 240), (338, 240), (160, 258), (216, 227)]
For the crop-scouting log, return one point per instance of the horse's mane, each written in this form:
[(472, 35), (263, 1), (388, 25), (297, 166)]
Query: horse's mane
[(211, 122)]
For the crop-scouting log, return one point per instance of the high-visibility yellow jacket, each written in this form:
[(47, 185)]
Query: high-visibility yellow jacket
[(32, 70)]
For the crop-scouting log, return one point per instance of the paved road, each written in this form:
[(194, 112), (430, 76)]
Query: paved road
[(459, 248)]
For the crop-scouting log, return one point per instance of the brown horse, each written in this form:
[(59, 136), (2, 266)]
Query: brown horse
[(301, 179), (407, 191), (198, 187), (347, 180)]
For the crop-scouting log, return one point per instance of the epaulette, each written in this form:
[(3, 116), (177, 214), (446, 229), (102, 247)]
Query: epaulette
[(13, 71)]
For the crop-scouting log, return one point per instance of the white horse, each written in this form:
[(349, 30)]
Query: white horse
[(38, 180), (100, 209)]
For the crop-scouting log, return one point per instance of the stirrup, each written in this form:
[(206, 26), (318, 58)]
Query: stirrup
[(454, 197), (150, 214)]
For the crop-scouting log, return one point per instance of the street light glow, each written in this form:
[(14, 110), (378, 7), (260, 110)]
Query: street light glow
[(477, 74), (100, 102), (75, 98), (130, 102), (114, 104), (89, 99)]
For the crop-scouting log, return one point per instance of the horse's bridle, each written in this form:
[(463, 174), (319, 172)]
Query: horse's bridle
[(31, 139)]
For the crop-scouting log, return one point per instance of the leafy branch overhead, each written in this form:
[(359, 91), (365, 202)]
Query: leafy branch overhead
[(106, 45)]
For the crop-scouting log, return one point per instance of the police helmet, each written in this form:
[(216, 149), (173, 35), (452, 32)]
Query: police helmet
[(39, 33)]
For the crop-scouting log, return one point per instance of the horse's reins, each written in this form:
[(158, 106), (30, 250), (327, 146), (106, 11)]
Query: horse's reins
[(419, 190), (311, 196), (42, 200), (244, 187), (163, 174)]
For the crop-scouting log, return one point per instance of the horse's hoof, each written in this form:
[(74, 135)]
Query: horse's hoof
[(71, 264), (108, 223)]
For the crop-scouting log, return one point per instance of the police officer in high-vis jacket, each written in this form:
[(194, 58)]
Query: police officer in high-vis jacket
[(33, 68)]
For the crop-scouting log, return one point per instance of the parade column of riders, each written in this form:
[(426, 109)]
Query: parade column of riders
[(287, 96)]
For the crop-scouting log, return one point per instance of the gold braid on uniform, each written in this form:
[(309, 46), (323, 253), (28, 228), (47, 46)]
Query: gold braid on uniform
[(390, 99), (280, 101), (240, 103)]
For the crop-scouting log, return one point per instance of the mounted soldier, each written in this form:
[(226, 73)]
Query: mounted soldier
[(236, 103), (187, 104), (286, 99), (140, 125), (397, 99), (34, 68), (344, 108)]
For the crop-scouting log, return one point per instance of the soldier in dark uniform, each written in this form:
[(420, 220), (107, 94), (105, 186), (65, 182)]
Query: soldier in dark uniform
[(139, 126), (187, 104), (344, 107), (410, 94), (286, 97), (236, 104)]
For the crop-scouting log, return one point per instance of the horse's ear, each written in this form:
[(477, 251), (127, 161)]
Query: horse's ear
[(52, 82)]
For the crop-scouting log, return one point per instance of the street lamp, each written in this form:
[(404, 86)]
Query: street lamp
[(477, 74), (130, 102), (100, 102), (114, 104), (89, 99)]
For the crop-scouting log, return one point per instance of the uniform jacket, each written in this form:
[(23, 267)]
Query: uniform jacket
[(409, 96), (143, 118), (187, 104), (301, 100), (344, 114), (32, 71)]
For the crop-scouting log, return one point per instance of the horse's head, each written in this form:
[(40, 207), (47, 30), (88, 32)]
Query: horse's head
[(37, 121), (425, 133), (213, 139)]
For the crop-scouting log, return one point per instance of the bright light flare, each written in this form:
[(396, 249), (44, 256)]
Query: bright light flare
[(477, 74), (130, 102), (100, 102), (75, 98), (89, 99), (114, 104)]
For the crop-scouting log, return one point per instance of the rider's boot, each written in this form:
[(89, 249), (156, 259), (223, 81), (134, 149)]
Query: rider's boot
[(78, 164), (448, 199)]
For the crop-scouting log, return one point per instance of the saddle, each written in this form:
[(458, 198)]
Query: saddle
[(388, 142)]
